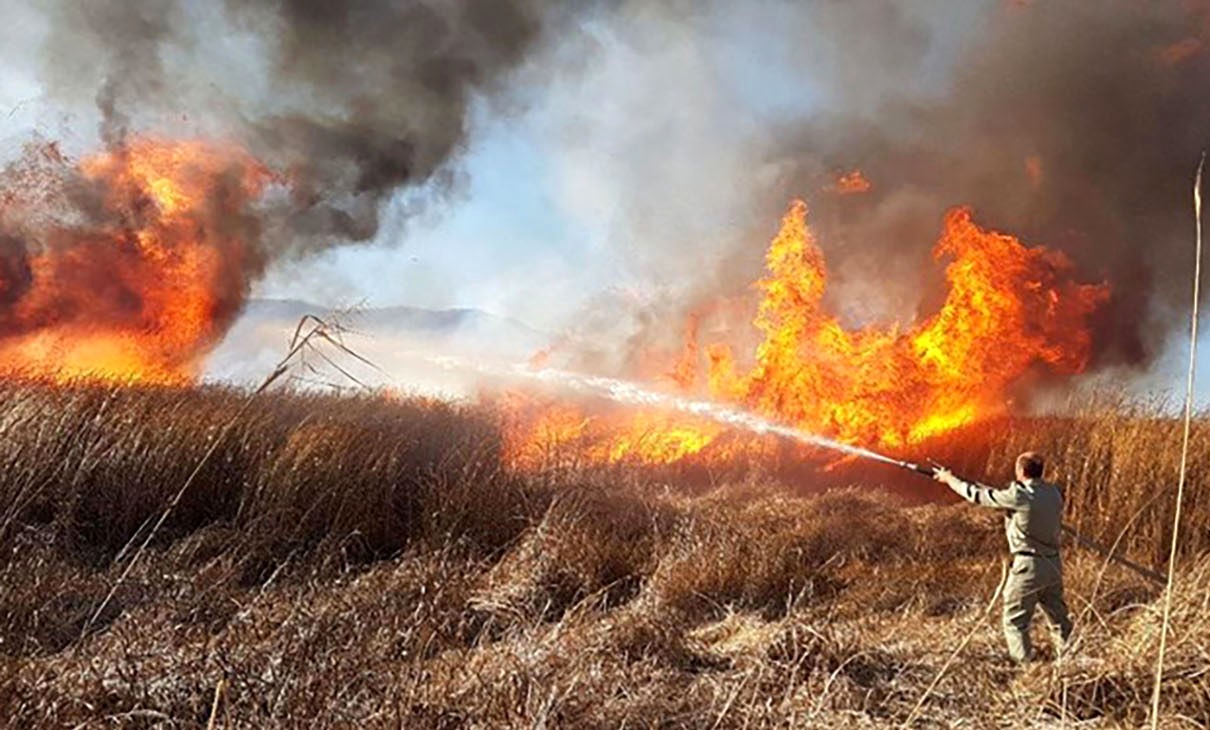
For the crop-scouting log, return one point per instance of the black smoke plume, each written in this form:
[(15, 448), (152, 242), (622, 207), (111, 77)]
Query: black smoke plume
[(365, 98)]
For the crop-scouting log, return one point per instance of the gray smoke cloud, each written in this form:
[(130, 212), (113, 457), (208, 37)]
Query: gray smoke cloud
[(677, 145), (1070, 124), (352, 101), (390, 86)]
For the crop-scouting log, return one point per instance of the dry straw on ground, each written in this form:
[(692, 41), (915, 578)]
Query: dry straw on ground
[(357, 562)]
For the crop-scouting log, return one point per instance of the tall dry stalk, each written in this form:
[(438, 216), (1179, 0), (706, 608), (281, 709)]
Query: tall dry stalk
[(310, 329), (1180, 487)]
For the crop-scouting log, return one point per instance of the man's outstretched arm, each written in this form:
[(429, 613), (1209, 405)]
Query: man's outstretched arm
[(979, 494)]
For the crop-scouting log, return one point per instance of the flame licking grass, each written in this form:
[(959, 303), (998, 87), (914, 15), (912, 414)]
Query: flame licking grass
[(1009, 309), (547, 432), (127, 266)]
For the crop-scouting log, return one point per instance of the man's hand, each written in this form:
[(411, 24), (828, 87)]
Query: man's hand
[(943, 475)]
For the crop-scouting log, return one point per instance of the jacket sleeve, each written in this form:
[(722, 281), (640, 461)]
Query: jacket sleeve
[(1009, 498)]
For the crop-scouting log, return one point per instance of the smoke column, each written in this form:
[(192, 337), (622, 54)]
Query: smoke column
[(1068, 124), (352, 100)]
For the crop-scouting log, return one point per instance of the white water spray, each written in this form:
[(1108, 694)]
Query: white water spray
[(622, 391)]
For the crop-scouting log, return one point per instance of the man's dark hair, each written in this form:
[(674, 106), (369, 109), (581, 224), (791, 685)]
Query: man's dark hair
[(1031, 464)]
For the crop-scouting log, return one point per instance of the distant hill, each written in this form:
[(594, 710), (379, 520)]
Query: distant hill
[(397, 319), (384, 334)]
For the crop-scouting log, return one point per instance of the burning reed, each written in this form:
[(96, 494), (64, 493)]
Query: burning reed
[(1010, 312)]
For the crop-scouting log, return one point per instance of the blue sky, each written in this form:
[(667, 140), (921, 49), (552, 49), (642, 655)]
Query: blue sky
[(504, 224)]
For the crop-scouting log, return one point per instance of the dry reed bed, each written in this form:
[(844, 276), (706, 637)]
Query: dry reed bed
[(1119, 461), (350, 562)]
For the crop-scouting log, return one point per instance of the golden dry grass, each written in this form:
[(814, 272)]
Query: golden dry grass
[(350, 562)]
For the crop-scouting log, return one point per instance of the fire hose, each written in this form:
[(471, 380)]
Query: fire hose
[(622, 391), (1094, 546)]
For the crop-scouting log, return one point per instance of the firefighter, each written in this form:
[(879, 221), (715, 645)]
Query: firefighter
[(1033, 512)]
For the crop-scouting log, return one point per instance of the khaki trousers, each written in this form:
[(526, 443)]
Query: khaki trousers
[(1033, 581)]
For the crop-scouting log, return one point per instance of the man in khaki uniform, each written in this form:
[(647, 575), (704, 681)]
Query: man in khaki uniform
[(1033, 522)]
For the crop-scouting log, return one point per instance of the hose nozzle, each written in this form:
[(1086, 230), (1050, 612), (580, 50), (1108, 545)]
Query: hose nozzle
[(927, 470)]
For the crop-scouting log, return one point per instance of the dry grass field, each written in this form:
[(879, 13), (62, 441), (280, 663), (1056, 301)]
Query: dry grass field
[(353, 562)]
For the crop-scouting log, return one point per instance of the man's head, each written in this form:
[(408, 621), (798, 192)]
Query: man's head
[(1030, 466)]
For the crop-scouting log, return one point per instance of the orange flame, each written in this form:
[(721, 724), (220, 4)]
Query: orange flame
[(853, 182), (1034, 170), (543, 433), (142, 288), (1181, 51), (1009, 309)]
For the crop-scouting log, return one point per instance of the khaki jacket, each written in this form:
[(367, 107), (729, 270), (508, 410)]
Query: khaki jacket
[(1033, 519)]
